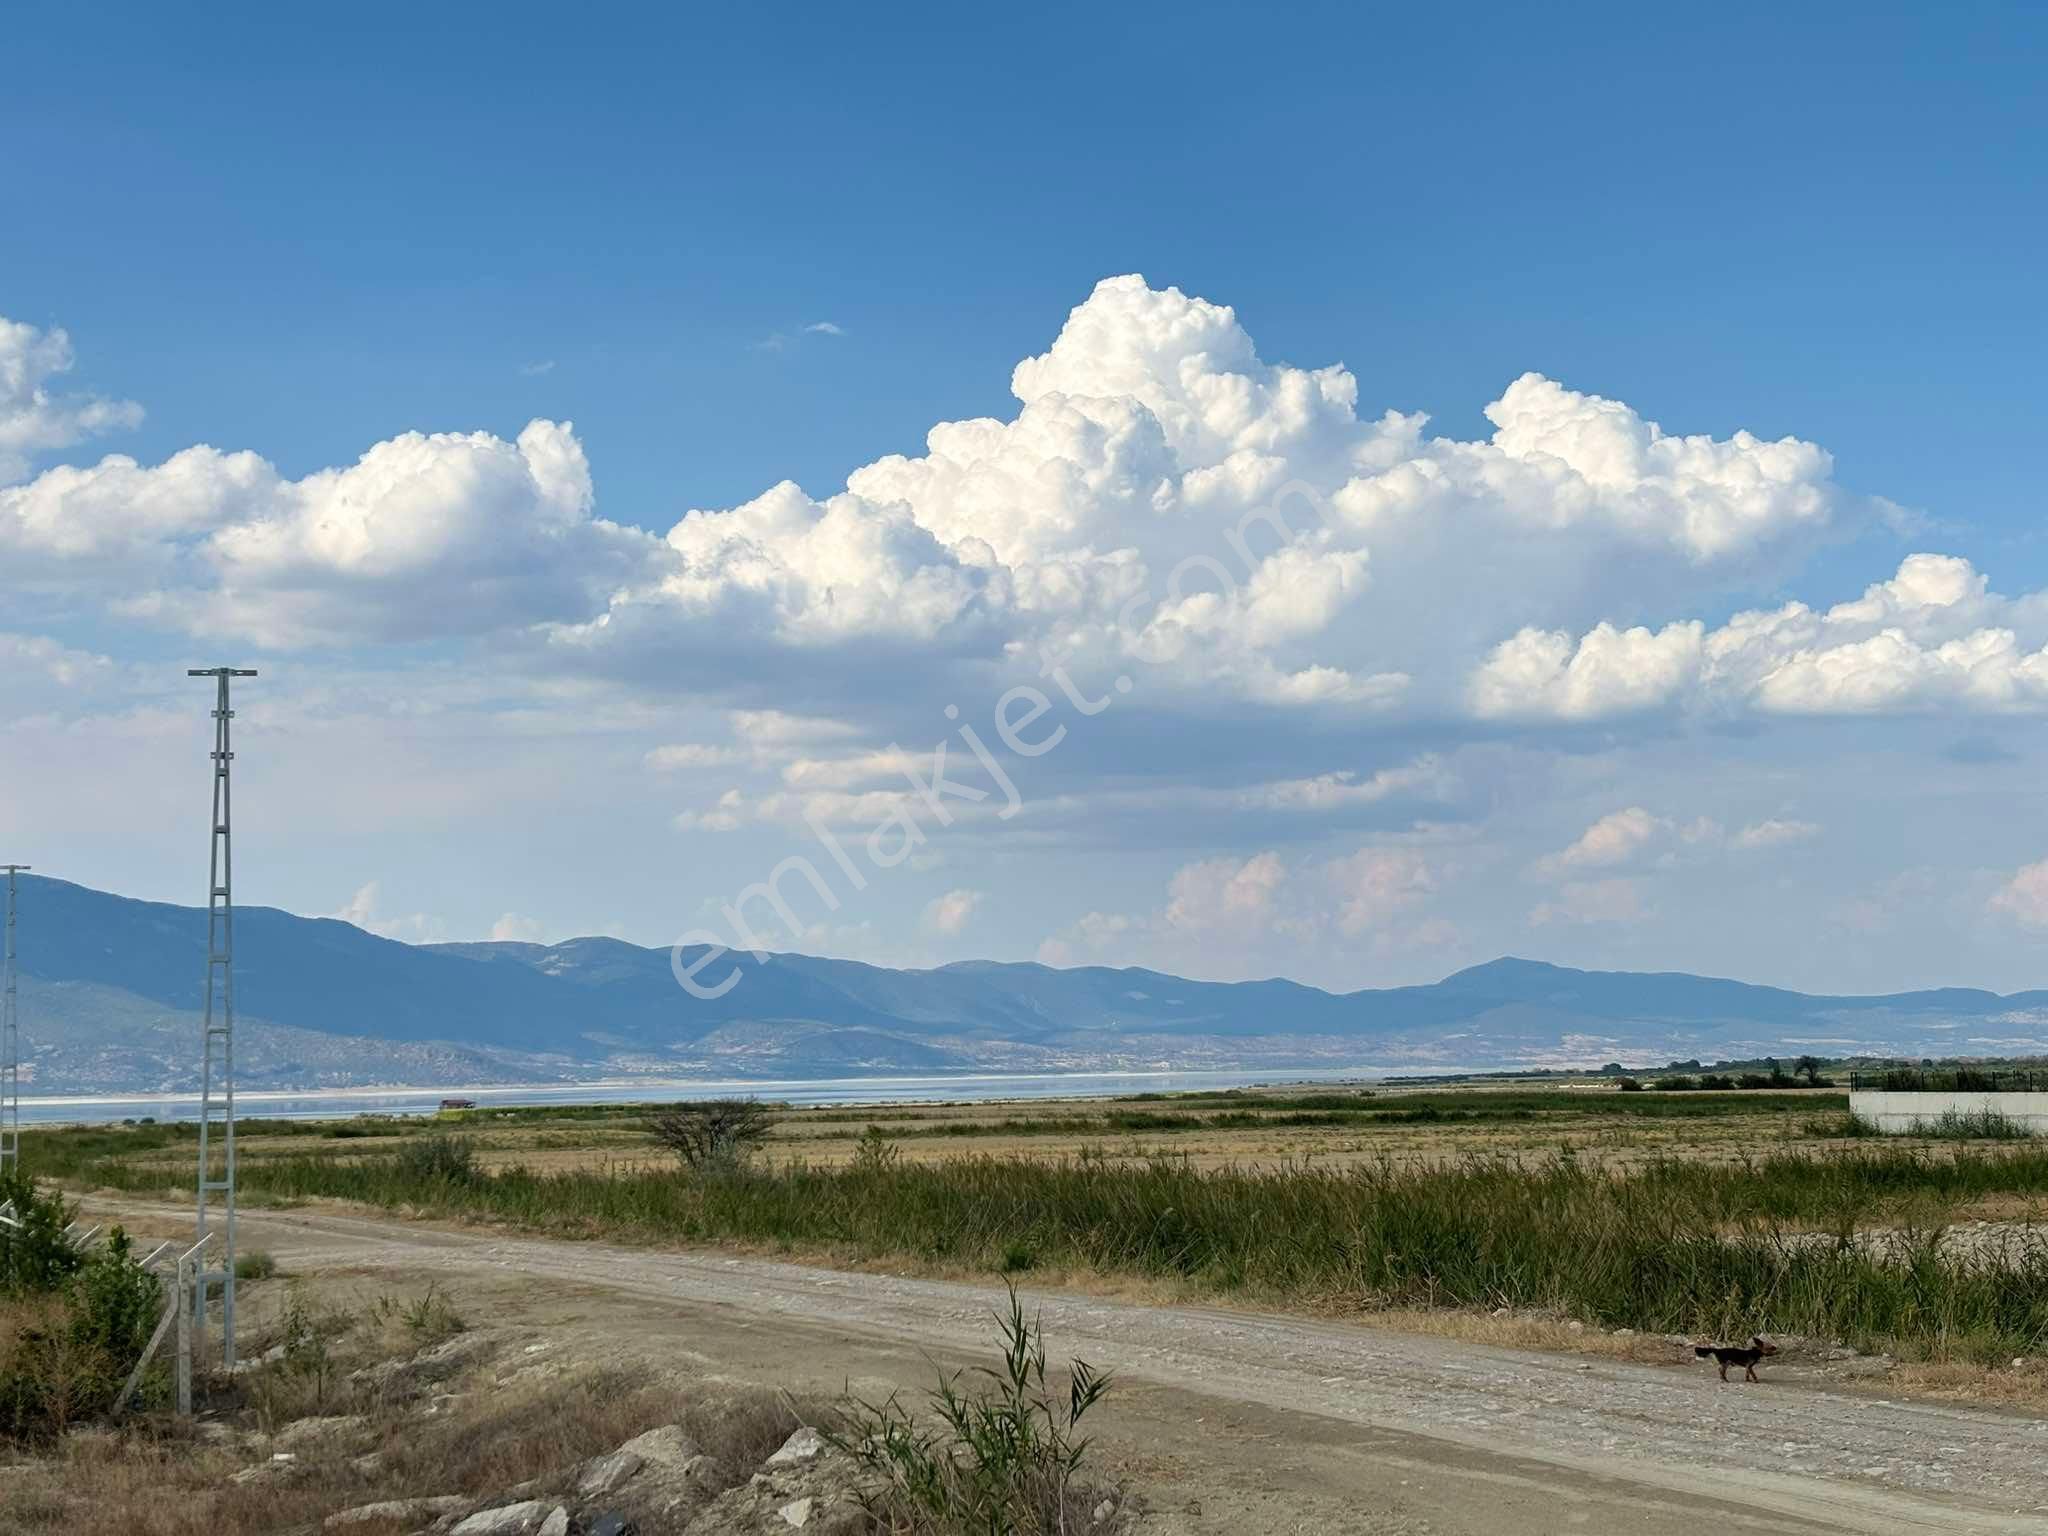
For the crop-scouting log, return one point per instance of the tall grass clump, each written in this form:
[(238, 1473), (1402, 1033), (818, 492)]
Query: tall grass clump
[(996, 1455), (1950, 1125), (1977, 1125)]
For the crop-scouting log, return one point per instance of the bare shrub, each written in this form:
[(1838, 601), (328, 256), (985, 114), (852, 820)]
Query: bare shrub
[(713, 1135)]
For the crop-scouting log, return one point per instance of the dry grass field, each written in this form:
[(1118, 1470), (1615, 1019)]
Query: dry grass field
[(1328, 1127), (1713, 1212)]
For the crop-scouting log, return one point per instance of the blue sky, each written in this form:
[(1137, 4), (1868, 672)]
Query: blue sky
[(307, 233), (304, 236)]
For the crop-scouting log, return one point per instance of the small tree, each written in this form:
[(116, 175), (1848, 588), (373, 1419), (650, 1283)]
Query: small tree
[(713, 1134), (1809, 1068)]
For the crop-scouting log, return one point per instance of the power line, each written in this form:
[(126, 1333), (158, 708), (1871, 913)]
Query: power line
[(217, 1050), (10, 1043)]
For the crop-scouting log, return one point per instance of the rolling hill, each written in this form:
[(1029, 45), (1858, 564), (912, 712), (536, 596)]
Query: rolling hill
[(111, 991)]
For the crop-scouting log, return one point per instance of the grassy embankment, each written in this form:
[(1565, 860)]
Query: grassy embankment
[(1767, 1242)]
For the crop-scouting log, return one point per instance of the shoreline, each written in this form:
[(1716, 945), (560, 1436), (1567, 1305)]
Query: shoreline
[(801, 1092)]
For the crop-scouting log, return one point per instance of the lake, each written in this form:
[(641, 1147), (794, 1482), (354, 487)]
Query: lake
[(288, 1104)]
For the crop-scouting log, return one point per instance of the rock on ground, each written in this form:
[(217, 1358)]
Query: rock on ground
[(806, 1486), (301, 1433), (529, 1517), (800, 1447), (280, 1468), (667, 1446), (434, 1364), (609, 1473), (387, 1510)]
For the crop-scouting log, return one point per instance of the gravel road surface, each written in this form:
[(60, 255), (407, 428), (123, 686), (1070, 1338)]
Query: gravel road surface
[(1230, 1421)]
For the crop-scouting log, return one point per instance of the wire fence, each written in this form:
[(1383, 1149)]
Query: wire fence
[(1948, 1080)]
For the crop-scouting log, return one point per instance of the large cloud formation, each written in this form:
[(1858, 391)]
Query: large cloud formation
[(1163, 503), (1164, 498)]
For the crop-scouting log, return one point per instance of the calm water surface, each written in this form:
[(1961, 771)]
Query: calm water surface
[(286, 1104)]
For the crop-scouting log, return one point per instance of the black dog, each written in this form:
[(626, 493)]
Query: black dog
[(1729, 1354)]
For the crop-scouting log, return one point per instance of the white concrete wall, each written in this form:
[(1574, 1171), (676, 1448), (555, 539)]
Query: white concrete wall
[(1904, 1112)]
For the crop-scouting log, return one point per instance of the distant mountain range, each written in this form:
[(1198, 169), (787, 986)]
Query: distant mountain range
[(111, 992)]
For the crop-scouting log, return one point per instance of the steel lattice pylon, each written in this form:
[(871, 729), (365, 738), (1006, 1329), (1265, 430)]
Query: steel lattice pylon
[(10, 1042), (217, 1065)]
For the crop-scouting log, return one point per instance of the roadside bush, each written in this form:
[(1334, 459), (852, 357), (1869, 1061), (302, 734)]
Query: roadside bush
[(436, 1160), (1000, 1459), (1680, 1084), (35, 1257), (116, 1301), (1629, 1085), (65, 1354)]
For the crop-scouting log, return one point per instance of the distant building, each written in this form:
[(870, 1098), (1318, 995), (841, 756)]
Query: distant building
[(458, 1103)]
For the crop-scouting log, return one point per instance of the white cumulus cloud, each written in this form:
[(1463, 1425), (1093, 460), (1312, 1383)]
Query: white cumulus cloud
[(1619, 837), (2024, 896), (1224, 909), (1775, 832), (34, 420), (1930, 637), (1163, 504), (425, 535), (512, 928), (948, 914), (1164, 501)]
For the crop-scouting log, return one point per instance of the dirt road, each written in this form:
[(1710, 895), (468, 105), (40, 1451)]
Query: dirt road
[(1239, 1422)]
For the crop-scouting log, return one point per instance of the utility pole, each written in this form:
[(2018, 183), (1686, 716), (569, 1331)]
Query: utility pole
[(10, 1044), (217, 1058)]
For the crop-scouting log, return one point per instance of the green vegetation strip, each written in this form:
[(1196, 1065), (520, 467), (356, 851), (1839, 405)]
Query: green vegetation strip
[(1687, 1247), (1200, 1112)]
